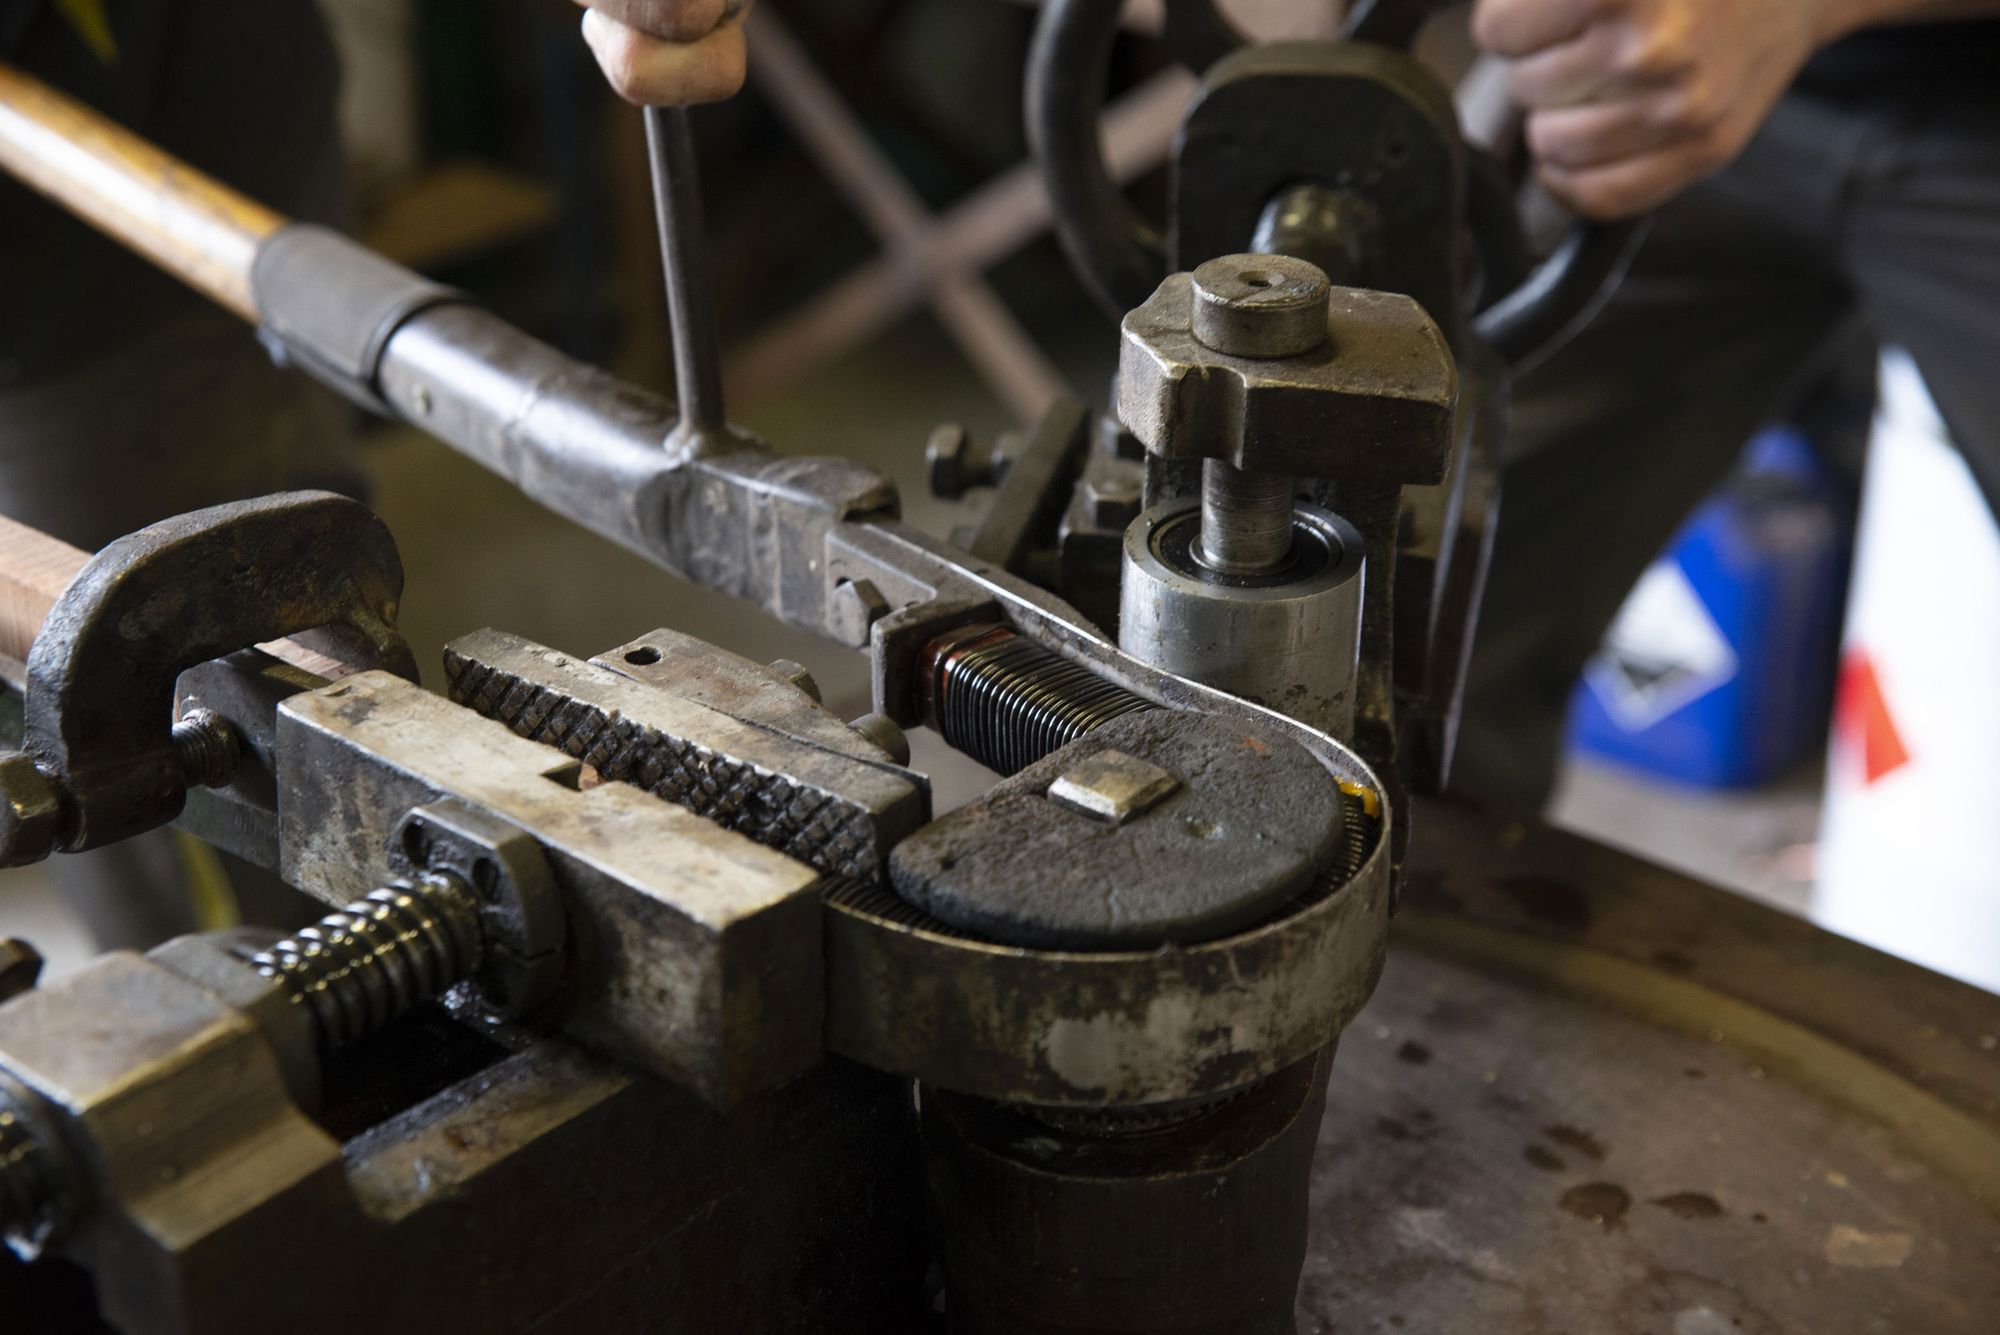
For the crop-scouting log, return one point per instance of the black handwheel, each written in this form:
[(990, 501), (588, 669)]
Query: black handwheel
[(1122, 258)]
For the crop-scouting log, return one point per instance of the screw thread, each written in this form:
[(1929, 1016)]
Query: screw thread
[(207, 747), (372, 962), (1007, 701)]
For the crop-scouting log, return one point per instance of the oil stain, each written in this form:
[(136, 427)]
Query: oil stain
[(1569, 1137), (1601, 1203), (1544, 1158), (1413, 1052), (1691, 1205)]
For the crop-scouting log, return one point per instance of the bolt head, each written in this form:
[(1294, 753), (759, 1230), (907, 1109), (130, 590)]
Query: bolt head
[(944, 461), (31, 809), (1114, 494), (1113, 787)]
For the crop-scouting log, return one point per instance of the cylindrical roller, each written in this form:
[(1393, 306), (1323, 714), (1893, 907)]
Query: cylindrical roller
[(1170, 1221), (1288, 639)]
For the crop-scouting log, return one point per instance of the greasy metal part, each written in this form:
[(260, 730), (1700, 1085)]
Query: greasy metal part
[(1289, 639), (824, 807), (1336, 230), (881, 732), (175, 1109), (1248, 823), (1246, 520), (1373, 402), (1007, 702), (1031, 493), (703, 427), (98, 718), (692, 951), (243, 690), (762, 695), (1260, 306), (1356, 145), (362, 968), (207, 746), (1194, 1228), (953, 466), (458, 1208), (1077, 1029)]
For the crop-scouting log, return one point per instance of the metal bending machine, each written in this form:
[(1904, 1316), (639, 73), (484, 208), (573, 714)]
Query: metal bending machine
[(652, 995)]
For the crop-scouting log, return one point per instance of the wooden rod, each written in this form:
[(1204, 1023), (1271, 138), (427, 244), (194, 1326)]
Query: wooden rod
[(35, 569), (195, 228)]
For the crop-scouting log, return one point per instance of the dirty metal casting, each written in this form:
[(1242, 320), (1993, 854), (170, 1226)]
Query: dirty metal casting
[(692, 951), (1245, 821), (102, 758)]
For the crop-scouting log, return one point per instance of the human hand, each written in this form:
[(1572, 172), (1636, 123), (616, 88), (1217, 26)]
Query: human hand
[(1629, 102), (668, 52)]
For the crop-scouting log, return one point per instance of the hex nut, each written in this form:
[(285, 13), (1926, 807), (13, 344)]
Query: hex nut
[(31, 811), (1373, 402)]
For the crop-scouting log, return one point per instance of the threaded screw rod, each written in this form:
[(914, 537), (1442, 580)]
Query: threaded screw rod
[(368, 965), (1007, 702)]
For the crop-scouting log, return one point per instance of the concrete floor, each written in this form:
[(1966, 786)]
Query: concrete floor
[(477, 554)]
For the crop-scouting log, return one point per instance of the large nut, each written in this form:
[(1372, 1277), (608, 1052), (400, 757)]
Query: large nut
[(31, 809), (1372, 402)]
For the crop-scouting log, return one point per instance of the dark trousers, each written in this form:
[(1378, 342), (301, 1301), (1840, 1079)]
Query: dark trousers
[(1846, 220)]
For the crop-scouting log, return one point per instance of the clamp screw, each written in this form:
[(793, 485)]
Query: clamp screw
[(208, 747), (368, 965)]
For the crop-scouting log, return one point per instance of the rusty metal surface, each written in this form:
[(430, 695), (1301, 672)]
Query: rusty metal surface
[(102, 673), (1374, 402), (822, 807), (693, 951), (1594, 1097), (1249, 822), (1084, 1029)]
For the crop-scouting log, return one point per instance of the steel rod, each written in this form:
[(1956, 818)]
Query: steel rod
[(690, 281)]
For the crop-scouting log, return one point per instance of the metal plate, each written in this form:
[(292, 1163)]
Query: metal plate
[(1594, 1097)]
